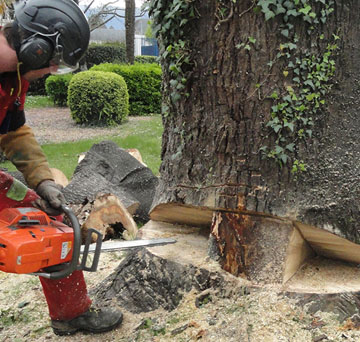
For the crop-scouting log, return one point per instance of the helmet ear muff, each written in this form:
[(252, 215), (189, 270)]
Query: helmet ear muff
[(35, 52)]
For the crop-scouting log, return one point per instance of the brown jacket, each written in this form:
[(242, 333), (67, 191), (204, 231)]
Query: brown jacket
[(17, 140)]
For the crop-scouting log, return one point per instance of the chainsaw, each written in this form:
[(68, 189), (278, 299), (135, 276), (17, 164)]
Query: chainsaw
[(31, 242)]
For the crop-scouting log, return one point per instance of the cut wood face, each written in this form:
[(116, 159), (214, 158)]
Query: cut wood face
[(264, 250)]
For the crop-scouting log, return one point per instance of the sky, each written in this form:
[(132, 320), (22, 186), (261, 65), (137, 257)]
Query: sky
[(119, 3)]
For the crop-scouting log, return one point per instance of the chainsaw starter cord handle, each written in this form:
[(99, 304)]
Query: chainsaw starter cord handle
[(73, 264)]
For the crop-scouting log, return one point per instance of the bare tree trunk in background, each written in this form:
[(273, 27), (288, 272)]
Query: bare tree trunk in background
[(130, 30)]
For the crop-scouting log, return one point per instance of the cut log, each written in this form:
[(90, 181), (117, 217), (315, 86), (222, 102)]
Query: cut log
[(107, 168), (107, 215), (108, 211), (136, 154), (59, 177), (144, 282)]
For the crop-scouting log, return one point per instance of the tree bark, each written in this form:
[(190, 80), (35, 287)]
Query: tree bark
[(107, 168), (130, 30), (213, 135)]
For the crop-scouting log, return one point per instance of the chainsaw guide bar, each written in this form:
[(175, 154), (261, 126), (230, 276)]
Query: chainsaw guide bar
[(111, 246)]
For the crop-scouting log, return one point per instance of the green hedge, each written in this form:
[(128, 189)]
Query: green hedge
[(57, 88), (105, 53), (147, 59), (144, 85), (37, 87), (98, 98)]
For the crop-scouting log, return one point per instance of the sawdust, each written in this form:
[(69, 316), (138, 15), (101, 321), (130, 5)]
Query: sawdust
[(253, 315)]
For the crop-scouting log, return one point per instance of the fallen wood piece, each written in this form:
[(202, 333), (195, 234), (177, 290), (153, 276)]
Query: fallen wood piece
[(104, 214), (59, 177), (136, 154), (107, 168), (108, 211), (144, 282)]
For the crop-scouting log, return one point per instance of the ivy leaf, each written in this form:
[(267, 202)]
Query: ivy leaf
[(292, 12), (290, 147), (269, 14), (285, 33), (305, 10), (284, 158)]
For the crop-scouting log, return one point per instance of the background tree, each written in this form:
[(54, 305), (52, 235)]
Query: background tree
[(130, 30), (261, 107), (99, 16)]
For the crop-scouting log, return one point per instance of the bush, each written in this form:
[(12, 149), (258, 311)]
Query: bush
[(37, 87), (144, 85), (146, 59), (57, 88), (98, 98), (105, 53)]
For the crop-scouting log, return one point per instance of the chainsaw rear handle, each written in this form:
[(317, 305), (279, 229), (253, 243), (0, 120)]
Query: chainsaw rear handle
[(72, 265)]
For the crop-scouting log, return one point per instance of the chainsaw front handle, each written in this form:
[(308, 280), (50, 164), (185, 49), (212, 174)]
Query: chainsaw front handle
[(73, 264)]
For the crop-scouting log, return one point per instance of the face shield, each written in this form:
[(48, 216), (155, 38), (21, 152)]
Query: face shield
[(60, 67)]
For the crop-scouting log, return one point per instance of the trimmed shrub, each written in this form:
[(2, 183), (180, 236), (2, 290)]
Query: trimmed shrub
[(98, 98), (146, 59), (105, 53), (144, 85), (57, 88), (37, 87)]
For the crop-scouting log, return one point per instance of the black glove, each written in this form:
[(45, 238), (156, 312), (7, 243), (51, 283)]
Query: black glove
[(51, 197)]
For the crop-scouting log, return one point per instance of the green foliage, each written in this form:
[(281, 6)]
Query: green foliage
[(38, 101), (98, 98), (306, 71), (146, 59), (37, 87), (144, 85), (57, 88), (105, 53), (171, 19)]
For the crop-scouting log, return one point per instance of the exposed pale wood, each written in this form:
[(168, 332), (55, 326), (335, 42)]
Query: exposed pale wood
[(136, 154), (191, 243), (182, 214), (328, 244), (59, 177), (261, 249), (107, 210), (298, 252)]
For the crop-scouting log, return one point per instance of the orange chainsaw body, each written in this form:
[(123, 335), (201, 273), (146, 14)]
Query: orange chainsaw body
[(30, 241)]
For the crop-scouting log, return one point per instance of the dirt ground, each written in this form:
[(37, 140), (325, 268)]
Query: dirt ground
[(254, 315), (56, 125)]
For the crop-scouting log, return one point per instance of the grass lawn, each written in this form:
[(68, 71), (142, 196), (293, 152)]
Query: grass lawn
[(142, 134)]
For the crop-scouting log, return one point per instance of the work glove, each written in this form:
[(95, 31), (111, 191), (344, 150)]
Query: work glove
[(51, 198)]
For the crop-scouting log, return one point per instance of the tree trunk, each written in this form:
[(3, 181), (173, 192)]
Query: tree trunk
[(252, 110), (130, 30)]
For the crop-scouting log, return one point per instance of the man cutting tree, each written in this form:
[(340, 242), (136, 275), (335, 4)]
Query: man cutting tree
[(47, 36)]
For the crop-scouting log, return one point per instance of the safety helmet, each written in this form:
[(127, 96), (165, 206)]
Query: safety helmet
[(50, 32)]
